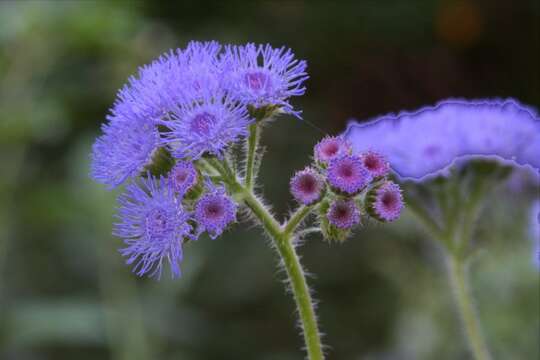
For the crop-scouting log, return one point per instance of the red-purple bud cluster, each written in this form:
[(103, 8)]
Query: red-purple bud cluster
[(357, 183)]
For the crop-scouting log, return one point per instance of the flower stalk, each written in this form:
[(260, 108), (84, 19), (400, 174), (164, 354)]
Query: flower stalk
[(457, 275), (460, 214), (282, 236)]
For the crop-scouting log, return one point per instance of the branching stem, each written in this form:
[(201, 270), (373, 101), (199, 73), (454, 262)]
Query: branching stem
[(282, 238)]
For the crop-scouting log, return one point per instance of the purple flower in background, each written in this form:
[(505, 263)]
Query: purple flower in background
[(208, 125), (182, 177), (262, 75), (376, 163), (385, 202), (153, 225), (307, 186), (534, 229), (330, 148), (343, 214), (348, 174), (427, 142), (126, 146), (214, 211)]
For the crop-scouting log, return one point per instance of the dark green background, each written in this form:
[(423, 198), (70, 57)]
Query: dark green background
[(64, 291)]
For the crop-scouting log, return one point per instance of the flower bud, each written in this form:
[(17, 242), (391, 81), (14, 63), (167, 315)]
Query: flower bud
[(307, 186), (347, 175), (331, 148), (376, 164), (215, 210), (385, 202), (338, 218)]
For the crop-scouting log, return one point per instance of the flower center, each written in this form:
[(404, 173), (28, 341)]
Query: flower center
[(342, 212), (202, 123), (346, 171), (257, 80), (331, 149), (156, 222), (181, 176), (371, 162), (307, 184), (214, 210), (389, 200)]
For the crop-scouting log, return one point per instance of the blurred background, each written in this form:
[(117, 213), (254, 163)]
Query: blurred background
[(64, 291)]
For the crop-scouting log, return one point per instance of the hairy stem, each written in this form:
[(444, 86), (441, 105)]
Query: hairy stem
[(302, 297), (295, 273), (296, 218), (460, 290), (282, 238), (252, 143)]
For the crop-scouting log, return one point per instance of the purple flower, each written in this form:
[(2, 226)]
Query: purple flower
[(173, 77), (307, 186), (330, 148), (207, 125), (153, 225), (348, 174), (261, 75), (182, 177), (343, 214), (195, 71), (376, 163), (130, 136), (427, 142), (214, 211), (125, 148), (385, 202)]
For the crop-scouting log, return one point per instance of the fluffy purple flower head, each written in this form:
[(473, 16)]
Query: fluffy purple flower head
[(182, 177), (195, 70), (214, 211), (164, 83), (376, 163), (262, 75), (307, 186), (331, 147), (207, 125), (125, 148), (343, 214), (153, 225), (348, 174), (385, 202), (425, 143)]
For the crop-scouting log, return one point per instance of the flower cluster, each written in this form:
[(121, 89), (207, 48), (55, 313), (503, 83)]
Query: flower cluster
[(427, 142), (186, 106), (193, 101), (357, 186)]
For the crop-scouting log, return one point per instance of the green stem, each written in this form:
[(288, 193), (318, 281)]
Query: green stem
[(252, 142), (282, 238), (269, 223), (295, 273), (460, 289), (302, 296), (296, 219)]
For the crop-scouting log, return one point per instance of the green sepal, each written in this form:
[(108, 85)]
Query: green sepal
[(162, 163), (264, 112)]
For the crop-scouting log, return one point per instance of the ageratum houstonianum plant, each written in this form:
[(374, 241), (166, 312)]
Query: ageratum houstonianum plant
[(449, 157), (171, 137)]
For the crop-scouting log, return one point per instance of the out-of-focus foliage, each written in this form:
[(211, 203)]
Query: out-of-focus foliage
[(64, 292)]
